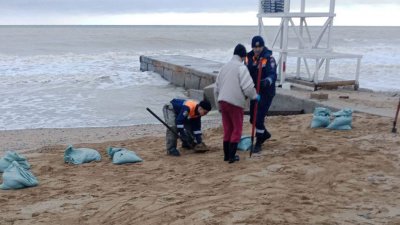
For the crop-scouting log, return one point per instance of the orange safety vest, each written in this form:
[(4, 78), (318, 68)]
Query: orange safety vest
[(192, 108), (263, 61)]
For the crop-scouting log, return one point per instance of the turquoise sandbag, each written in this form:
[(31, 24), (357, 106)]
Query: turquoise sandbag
[(11, 156), (245, 143), (321, 117), (80, 155), (16, 177), (342, 121), (122, 155)]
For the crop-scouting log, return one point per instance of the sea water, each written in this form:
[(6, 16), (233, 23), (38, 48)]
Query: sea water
[(89, 76)]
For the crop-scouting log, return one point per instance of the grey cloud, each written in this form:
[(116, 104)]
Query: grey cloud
[(123, 6), (147, 6)]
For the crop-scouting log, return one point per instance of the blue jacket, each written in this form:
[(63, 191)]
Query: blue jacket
[(268, 76), (186, 113)]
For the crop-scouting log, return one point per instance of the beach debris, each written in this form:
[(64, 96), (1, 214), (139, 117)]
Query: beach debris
[(17, 177), (319, 96), (343, 120), (11, 156), (377, 179), (122, 155), (344, 97), (321, 117), (365, 215), (80, 155), (275, 168)]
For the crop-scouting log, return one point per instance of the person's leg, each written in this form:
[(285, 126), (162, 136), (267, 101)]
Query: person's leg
[(261, 131), (171, 138), (237, 123), (227, 126), (268, 103), (236, 116)]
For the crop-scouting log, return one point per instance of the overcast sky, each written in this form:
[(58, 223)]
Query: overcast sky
[(183, 12)]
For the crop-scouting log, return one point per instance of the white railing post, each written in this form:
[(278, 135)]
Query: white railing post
[(301, 46), (285, 36)]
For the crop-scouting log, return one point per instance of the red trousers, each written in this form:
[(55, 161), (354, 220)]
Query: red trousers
[(232, 121)]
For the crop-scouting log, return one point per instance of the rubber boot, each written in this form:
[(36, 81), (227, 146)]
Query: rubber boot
[(174, 152), (232, 153), (226, 150), (261, 138)]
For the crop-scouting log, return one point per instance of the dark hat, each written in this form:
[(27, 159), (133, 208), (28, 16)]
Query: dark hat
[(257, 41), (240, 50), (205, 105)]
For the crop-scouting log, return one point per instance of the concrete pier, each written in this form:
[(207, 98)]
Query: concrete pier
[(184, 71), (198, 75)]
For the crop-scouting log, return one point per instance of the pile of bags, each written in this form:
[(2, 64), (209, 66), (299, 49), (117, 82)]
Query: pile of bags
[(16, 174), (342, 119), (85, 155)]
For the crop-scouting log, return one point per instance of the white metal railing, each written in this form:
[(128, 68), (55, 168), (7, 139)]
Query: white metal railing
[(308, 47)]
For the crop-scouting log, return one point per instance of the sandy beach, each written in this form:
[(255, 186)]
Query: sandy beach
[(303, 176)]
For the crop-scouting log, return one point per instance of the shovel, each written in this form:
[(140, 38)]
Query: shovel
[(394, 129), (255, 107), (200, 148)]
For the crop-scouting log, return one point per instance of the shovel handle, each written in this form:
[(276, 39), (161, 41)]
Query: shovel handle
[(165, 124), (256, 106)]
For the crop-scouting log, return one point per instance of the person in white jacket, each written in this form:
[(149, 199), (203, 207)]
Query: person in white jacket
[(233, 85)]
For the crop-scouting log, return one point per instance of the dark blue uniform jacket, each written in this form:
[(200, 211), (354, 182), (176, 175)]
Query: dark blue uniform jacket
[(183, 118), (268, 76)]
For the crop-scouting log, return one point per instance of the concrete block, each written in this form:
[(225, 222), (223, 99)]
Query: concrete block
[(206, 81), (168, 74), (192, 81), (178, 78), (150, 67), (143, 66), (282, 102), (145, 59), (196, 94), (209, 95), (159, 70)]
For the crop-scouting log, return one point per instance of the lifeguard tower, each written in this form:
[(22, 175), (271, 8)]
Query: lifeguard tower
[(314, 53)]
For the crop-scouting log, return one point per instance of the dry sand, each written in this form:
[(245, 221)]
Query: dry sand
[(303, 176)]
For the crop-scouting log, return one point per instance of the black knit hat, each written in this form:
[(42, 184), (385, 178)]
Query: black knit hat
[(240, 50), (257, 41), (205, 105)]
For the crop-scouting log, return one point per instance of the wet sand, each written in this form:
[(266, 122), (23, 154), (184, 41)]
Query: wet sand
[(303, 176)]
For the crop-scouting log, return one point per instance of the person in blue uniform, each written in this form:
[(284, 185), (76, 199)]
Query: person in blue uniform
[(261, 58), (184, 116)]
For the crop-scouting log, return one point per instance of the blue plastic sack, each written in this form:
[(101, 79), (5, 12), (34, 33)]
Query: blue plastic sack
[(11, 156), (342, 121), (245, 143), (81, 155), (321, 117), (16, 177), (122, 155)]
